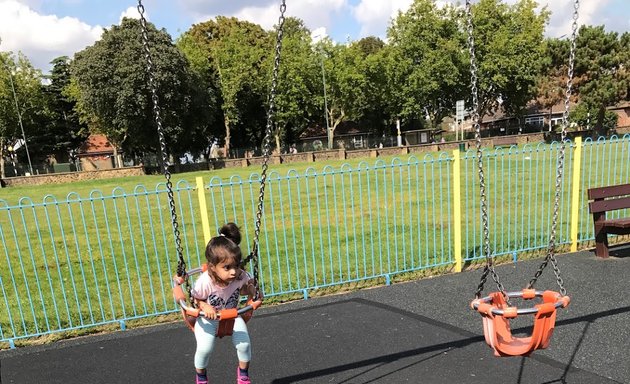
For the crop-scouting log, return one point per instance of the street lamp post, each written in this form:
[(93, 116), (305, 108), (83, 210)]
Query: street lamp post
[(19, 115), (328, 131), (317, 37)]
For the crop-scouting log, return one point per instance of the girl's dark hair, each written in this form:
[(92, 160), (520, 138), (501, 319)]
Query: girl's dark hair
[(225, 246)]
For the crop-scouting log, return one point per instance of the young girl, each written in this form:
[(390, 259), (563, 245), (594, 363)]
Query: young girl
[(220, 288)]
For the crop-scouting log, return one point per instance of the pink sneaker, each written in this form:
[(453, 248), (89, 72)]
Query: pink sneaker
[(241, 379), (200, 381)]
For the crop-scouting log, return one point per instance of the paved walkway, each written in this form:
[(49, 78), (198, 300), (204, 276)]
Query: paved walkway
[(416, 332)]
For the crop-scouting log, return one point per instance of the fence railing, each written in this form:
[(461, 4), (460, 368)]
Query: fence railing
[(84, 261)]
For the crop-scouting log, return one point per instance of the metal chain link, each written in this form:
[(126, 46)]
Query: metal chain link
[(489, 267), (253, 256), (181, 265), (551, 249)]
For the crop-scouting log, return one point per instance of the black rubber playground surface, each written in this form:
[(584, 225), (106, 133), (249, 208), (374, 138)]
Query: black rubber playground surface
[(417, 332)]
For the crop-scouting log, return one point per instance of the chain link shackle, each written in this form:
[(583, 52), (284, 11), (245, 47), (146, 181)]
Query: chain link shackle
[(181, 265), (267, 142), (489, 267), (551, 249)]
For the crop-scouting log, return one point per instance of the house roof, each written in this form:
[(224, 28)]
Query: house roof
[(532, 109), (620, 105), (96, 144)]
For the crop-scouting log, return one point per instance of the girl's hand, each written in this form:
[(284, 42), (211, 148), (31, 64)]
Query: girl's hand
[(208, 310), (251, 290)]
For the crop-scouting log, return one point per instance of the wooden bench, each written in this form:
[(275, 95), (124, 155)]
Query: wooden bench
[(606, 199)]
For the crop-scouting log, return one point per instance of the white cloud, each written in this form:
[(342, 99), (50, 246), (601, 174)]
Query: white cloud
[(42, 37), (315, 13), (562, 13), (374, 15), (319, 34), (132, 13)]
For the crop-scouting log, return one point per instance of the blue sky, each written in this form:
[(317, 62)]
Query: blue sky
[(45, 29)]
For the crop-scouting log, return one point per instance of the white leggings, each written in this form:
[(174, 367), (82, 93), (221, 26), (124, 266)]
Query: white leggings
[(205, 331)]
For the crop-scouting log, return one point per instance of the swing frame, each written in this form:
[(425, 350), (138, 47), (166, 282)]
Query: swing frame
[(495, 309)]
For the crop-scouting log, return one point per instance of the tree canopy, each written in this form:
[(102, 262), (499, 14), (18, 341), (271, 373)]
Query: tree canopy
[(213, 84), (111, 87)]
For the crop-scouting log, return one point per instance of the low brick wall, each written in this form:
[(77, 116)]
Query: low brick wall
[(622, 131), (342, 154), (67, 177)]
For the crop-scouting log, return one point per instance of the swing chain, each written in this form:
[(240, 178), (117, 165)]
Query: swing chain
[(267, 142), (489, 267), (565, 118), (181, 266)]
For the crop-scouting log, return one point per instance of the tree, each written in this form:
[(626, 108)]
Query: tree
[(427, 65), (110, 84), (372, 103), (552, 81), (64, 132), (236, 52), (509, 50), (21, 106), (602, 63), (299, 95), (343, 78)]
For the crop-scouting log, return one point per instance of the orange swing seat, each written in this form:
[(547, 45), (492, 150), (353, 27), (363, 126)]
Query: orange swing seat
[(226, 316), (496, 315)]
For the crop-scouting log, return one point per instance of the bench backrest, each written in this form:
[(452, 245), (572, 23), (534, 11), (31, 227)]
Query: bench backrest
[(609, 198)]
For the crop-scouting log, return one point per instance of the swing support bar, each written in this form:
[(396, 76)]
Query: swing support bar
[(527, 294)]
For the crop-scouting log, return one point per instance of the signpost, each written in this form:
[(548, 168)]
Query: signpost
[(459, 118)]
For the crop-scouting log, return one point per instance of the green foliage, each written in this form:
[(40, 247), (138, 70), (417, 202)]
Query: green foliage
[(601, 63), (236, 51), (111, 86), (427, 67), (21, 104), (64, 132), (373, 109), (299, 100), (509, 49), (583, 117), (552, 82)]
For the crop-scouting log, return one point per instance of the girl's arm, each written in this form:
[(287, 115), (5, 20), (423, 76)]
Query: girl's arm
[(249, 287), (208, 309)]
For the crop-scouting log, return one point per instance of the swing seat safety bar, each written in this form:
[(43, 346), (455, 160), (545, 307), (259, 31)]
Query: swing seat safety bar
[(496, 315), (527, 294), (191, 314)]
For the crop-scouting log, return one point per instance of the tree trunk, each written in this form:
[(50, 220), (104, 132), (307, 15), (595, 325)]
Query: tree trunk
[(226, 122), (116, 156), (599, 124), (277, 137), (1, 157), (333, 126)]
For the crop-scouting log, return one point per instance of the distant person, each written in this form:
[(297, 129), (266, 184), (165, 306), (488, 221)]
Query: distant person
[(442, 140), (293, 149), (217, 289), (214, 150)]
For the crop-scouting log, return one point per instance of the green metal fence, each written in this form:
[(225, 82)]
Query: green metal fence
[(83, 261)]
